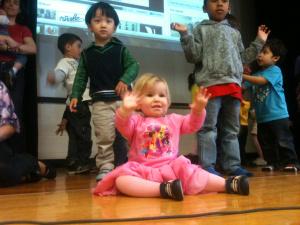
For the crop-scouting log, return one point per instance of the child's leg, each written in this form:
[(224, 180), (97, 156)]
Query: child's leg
[(21, 60), (120, 147), (267, 140), (232, 185), (207, 136), (18, 66), (229, 144), (137, 187), (103, 120), (215, 184), (84, 142), (285, 142), (255, 140)]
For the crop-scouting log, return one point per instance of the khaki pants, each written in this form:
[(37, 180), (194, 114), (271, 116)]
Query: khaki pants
[(103, 114)]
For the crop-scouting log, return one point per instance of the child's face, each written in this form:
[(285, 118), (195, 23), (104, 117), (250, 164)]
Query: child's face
[(266, 58), (217, 9), (102, 26), (73, 50), (154, 101)]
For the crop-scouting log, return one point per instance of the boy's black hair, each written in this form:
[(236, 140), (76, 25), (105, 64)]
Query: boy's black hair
[(205, 3), (277, 48), (66, 38), (106, 10)]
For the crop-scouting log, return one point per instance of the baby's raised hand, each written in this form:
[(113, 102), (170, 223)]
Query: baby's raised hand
[(130, 102), (200, 101), (263, 32)]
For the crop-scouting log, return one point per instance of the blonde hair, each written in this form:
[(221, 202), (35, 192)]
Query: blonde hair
[(147, 80)]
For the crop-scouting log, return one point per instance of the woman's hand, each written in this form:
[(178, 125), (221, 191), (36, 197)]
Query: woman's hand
[(11, 43)]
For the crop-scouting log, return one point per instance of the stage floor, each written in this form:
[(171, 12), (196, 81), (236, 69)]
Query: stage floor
[(274, 199)]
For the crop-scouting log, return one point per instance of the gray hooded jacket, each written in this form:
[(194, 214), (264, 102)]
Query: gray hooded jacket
[(218, 52)]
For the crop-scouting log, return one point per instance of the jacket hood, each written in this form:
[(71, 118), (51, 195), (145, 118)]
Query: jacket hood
[(212, 22)]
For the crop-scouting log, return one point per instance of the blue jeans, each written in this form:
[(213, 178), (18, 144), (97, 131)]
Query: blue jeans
[(222, 112)]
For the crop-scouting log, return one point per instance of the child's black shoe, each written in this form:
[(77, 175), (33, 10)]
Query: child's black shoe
[(237, 185), (50, 172), (172, 189), (33, 177)]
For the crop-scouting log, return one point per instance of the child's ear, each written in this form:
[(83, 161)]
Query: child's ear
[(276, 58), (67, 47)]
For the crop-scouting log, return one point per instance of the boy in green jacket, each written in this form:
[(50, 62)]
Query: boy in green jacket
[(111, 69)]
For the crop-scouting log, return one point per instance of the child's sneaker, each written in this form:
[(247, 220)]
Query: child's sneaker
[(241, 172), (172, 189), (237, 185), (290, 168), (75, 169), (102, 173), (212, 170), (268, 168), (259, 162)]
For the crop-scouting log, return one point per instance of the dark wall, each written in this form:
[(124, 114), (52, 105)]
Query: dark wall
[(29, 11), (282, 18)]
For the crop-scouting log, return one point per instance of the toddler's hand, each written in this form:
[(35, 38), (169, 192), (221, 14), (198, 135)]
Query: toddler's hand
[(51, 78), (61, 127), (130, 102), (73, 105), (182, 29), (263, 32), (121, 89), (200, 100)]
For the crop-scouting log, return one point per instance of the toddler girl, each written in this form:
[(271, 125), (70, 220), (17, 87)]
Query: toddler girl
[(154, 168)]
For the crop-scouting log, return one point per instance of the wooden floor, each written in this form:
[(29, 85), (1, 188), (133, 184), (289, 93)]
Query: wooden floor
[(274, 199)]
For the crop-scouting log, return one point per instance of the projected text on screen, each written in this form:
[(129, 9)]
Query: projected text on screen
[(143, 18)]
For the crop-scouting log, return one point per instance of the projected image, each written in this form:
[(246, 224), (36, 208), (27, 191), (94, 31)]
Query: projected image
[(144, 28), (143, 18), (150, 29)]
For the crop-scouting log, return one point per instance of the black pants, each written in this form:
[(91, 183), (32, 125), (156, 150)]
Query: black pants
[(277, 142), (242, 143), (79, 131), (18, 142), (120, 147), (14, 167)]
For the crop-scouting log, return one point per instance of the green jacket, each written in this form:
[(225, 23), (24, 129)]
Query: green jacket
[(105, 66)]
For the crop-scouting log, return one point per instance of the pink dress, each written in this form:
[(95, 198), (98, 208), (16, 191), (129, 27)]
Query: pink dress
[(154, 150)]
